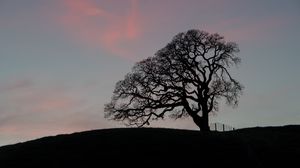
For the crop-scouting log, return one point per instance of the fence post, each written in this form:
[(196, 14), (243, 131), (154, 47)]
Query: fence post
[(216, 127)]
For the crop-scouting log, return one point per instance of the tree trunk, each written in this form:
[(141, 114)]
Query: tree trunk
[(201, 122), (205, 122)]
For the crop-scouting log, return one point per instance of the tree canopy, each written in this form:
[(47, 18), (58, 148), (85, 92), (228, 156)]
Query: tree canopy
[(188, 77)]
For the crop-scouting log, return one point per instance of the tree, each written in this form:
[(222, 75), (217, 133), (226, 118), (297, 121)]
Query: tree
[(188, 77)]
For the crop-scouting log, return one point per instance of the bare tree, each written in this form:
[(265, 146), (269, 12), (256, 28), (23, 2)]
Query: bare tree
[(188, 77)]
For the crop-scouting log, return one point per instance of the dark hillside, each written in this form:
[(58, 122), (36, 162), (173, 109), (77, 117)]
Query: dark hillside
[(153, 147)]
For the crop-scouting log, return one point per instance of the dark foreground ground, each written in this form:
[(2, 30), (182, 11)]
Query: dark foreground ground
[(153, 147)]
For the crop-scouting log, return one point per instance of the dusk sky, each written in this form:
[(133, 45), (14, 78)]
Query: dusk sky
[(60, 59)]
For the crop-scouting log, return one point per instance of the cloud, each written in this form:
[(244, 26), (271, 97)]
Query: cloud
[(42, 99), (88, 21), (15, 85), (29, 109), (53, 102)]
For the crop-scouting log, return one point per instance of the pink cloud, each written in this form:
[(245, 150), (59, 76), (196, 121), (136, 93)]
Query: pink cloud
[(54, 103), (41, 100), (133, 27), (97, 26), (15, 85), (26, 97), (85, 7), (30, 110)]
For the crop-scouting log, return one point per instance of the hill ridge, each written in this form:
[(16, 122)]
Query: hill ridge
[(249, 147)]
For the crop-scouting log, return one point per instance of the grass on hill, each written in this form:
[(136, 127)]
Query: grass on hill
[(157, 147)]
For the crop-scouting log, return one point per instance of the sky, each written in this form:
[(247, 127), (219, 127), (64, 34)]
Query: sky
[(60, 59)]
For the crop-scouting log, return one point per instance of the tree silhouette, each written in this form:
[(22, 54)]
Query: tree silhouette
[(188, 77)]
